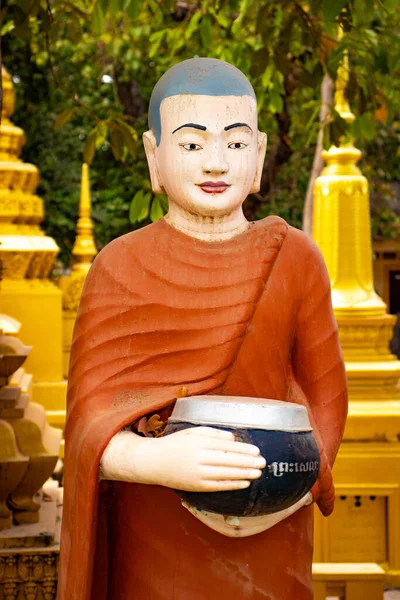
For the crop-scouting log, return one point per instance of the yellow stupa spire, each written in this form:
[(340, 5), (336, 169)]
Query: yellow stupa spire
[(342, 230), (83, 253), (341, 224), (341, 103), (84, 249)]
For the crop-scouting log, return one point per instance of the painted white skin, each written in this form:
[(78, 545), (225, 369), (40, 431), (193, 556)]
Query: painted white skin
[(191, 156), (245, 526), (207, 174), (201, 459)]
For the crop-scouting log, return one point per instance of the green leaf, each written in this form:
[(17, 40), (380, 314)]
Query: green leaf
[(7, 27), (312, 118), (139, 208), (63, 118), (98, 21), (221, 19), (54, 32), (275, 101), (130, 137), (156, 211), (117, 143), (206, 32), (391, 5), (283, 64), (311, 79), (192, 25), (339, 123), (102, 132), (363, 11), (163, 200), (133, 8), (144, 213), (136, 207), (155, 40), (331, 8), (114, 6), (286, 36), (23, 31), (90, 146), (267, 76), (237, 25), (259, 62), (30, 7), (326, 137), (263, 21), (74, 29), (367, 127)]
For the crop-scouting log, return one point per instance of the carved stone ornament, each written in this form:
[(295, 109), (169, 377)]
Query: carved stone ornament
[(29, 576)]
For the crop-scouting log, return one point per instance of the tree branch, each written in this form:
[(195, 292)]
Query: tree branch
[(318, 163)]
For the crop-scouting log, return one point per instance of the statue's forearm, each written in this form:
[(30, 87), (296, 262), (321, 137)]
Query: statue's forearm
[(199, 459), (118, 460)]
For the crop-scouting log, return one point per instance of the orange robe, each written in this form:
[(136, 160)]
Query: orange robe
[(160, 311)]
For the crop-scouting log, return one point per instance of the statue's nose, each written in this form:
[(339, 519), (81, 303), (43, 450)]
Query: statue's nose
[(215, 162)]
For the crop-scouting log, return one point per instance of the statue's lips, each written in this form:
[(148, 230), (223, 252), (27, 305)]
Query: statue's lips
[(213, 187)]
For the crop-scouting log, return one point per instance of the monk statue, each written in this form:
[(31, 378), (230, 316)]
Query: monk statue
[(200, 302)]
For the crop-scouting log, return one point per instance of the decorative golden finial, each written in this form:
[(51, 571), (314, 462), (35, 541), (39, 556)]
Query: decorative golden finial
[(84, 249), (341, 104)]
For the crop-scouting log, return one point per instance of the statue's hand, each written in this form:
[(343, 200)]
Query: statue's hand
[(245, 526), (201, 459)]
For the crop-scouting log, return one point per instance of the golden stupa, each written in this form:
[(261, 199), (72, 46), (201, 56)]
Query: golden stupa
[(365, 526), (27, 256), (83, 253)]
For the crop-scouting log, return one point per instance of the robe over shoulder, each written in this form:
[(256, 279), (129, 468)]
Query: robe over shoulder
[(160, 312)]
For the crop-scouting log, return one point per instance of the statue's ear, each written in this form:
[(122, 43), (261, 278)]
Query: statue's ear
[(262, 147), (150, 146)]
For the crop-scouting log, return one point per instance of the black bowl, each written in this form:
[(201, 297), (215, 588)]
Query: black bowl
[(293, 464)]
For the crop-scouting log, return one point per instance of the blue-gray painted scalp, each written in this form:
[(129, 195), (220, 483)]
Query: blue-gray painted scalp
[(197, 76)]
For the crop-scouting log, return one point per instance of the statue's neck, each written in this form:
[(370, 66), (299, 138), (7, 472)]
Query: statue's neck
[(208, 229)]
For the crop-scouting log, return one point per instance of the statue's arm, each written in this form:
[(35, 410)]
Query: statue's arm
[(199, 459), (319, 368)]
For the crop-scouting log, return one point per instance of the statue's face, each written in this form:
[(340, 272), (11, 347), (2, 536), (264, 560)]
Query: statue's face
[(210, 155)]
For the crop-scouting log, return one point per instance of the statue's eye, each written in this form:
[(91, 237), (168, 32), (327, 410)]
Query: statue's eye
[(237, 145), (191, 146)]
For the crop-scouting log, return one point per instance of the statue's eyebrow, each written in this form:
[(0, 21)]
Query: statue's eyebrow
[(228, 127), (193, 125)]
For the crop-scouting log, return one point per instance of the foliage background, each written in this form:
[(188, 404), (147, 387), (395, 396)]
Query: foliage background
[(84, 72)]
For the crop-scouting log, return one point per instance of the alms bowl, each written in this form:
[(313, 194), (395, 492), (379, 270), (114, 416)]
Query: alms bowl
[(282, 432)]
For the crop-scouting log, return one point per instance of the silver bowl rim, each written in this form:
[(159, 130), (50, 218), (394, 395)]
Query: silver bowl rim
[(241, 412)]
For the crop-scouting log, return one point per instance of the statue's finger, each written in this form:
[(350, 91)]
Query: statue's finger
[(219, 434), (224, 485), (210, 472), (232, 459), (232, 446)]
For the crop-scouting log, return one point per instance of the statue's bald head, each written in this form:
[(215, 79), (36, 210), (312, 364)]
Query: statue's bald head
[(197, 76)]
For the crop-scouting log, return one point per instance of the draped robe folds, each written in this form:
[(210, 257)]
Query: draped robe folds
[(160, 312)]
